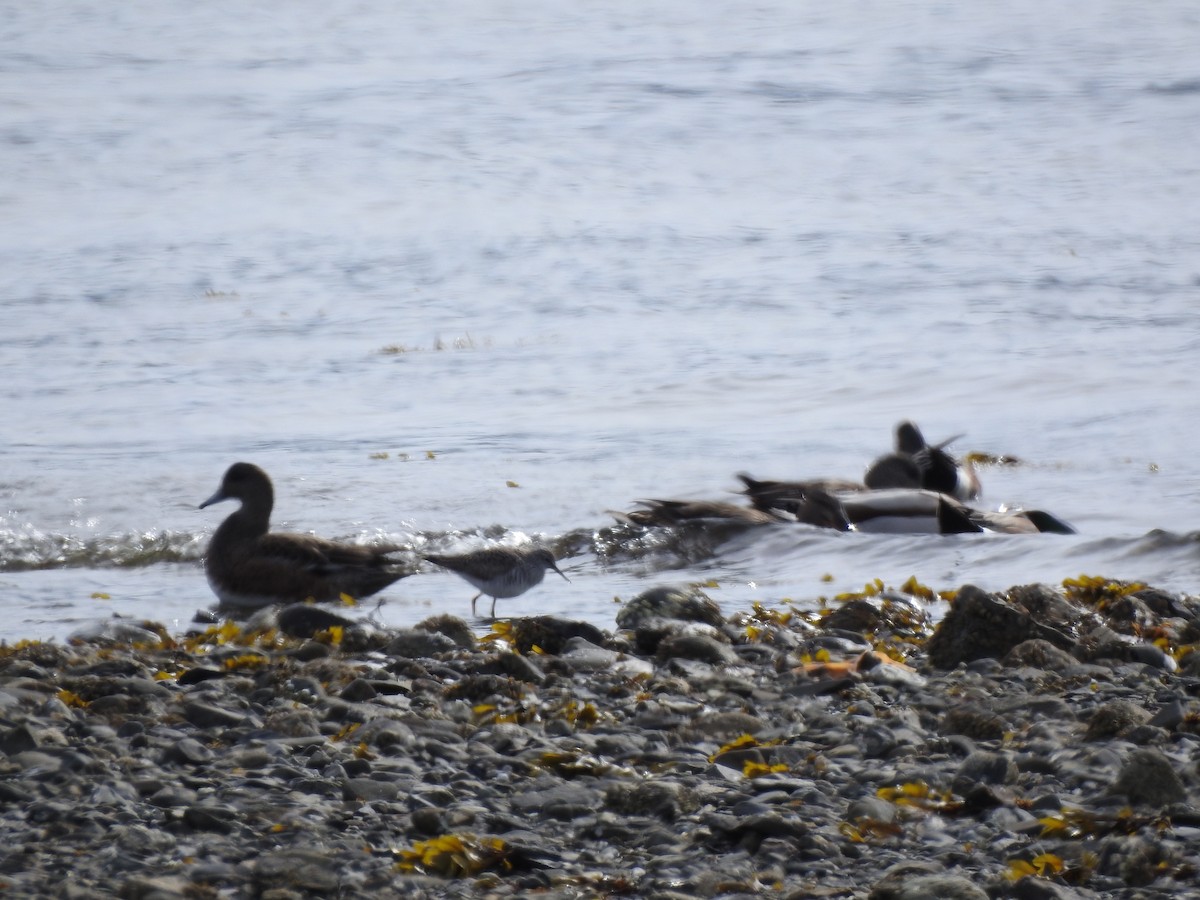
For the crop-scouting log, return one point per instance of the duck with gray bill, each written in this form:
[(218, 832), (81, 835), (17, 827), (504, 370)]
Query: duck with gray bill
[(499, 572), (249, 567)]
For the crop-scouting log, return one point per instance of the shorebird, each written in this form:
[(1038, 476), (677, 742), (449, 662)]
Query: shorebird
[(249, 567), (499, 572)]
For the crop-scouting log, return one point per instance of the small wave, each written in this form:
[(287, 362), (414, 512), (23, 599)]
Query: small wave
[(665, 548), (1185, 86), (22, 551), (1158, 539)]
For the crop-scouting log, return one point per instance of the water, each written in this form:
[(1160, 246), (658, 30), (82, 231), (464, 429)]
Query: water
[(602, 252)]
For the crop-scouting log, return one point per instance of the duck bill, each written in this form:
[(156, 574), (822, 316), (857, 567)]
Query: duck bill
[(215, 498)]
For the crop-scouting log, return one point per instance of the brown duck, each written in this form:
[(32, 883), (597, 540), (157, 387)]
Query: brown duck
[(249, 567)]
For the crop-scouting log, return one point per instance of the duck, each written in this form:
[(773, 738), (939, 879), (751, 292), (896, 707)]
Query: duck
[(905, 511), (850, 506), (918, 511), (1019, 521), (672, 512), (915, 463), (249, 567), (812, 502), (896, 510)]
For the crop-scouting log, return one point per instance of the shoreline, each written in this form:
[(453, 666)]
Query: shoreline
[(1036, 743)]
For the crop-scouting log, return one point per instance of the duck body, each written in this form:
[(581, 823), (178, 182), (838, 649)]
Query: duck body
[(895, 510), (1019, 521), (916, 511), (673, 512), (249, 567), (905, 511), (815, 501), (915, 463)]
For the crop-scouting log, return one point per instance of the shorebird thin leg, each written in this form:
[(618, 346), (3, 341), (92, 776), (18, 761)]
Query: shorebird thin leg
[(473, 599), (493, 607)]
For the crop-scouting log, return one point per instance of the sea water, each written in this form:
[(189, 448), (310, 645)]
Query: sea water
[(461, 274)]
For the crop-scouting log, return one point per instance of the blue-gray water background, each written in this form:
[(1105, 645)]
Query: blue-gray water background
[(601, 251)]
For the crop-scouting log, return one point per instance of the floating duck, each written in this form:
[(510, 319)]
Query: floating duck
[(917, 464)]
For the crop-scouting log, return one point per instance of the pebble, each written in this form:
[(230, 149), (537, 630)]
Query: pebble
[(684, 755)]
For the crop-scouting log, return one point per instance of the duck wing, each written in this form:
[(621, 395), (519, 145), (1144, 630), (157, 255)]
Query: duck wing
[(767, 494), (319, 554), (669, 512)]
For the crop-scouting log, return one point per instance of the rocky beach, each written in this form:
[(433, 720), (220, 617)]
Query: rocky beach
[(1036, 743)]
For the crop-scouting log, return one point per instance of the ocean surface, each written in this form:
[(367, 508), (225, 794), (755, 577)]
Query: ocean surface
[(474, 273)]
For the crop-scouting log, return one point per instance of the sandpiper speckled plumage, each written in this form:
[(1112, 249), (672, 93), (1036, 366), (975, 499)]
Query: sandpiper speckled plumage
[(499, 572), (249, 567)]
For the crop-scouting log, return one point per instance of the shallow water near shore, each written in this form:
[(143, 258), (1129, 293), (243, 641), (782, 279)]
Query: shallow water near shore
[(455, 278)]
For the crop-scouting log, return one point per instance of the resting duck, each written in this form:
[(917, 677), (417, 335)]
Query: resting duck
[(248, 567), (816, 501), (891, 510), (918, 464), (672, 512), (1018, 521), (915, 511)]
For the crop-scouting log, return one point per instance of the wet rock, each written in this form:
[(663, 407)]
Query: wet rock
[(200, 674), (162, 887), (512, 665), (304, 620), (1170, 715), (454, 627), (1039, 654), (927, 887), (360, 690), (583, 656), (871, 809), (481, 688), (699, 647), (974, 722), (370, 789), (660, 799), (306, 870), (723, 725), (419, 644), (188, 750), (204, 715), (1148, 779), (17, 739), (386, 734), (683, 604), (857, 616), (563, 801), (981, 625), (1113, 718), (984, 767), (210, 818), (551, 634)]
